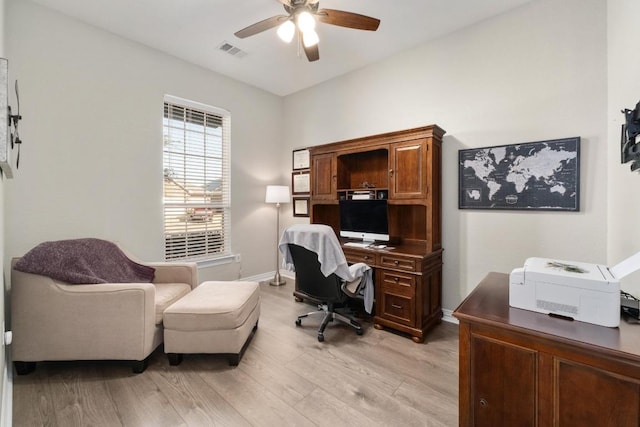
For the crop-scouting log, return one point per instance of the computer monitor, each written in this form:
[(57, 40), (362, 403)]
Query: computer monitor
[(364, 219)]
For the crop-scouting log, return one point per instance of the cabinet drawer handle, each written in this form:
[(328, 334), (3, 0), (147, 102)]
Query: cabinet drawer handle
[(396, 262), (390, 172), (396, 279), (396, 306), (366, 257), (483, 402)]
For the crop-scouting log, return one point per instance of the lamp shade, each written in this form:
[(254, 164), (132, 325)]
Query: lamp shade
[(277, 194)]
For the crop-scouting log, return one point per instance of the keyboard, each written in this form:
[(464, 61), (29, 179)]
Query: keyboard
[(357, 245)]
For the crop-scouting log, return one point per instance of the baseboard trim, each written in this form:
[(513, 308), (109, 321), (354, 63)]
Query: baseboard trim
[(268, 276), (6, 411), (447, 316)]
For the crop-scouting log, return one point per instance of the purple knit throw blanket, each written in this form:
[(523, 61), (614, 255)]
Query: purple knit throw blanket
[(81, 261)]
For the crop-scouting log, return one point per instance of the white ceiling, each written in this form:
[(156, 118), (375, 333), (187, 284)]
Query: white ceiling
[(193, 30)]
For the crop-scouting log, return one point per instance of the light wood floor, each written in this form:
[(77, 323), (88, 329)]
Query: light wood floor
[(286, 378)]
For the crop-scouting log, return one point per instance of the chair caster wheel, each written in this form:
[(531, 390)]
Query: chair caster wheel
[(320, 337), (298, 322), (359, 332)]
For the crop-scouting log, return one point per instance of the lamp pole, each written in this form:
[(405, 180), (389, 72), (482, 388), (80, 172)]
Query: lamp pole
[(277, 280), (277, 194)]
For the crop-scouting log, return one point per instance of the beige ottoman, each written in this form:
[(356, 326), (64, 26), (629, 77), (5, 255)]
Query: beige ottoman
[(215, 317)]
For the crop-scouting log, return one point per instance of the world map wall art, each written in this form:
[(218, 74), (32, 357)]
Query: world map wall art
[(543, 175)]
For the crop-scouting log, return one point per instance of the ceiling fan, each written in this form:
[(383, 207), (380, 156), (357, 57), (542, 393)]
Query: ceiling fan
[(301, 19)]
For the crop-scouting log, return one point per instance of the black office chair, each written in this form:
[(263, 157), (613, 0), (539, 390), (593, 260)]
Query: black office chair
[(327, 291)]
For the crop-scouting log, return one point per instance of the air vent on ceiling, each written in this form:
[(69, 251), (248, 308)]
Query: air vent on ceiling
[(232, 50)]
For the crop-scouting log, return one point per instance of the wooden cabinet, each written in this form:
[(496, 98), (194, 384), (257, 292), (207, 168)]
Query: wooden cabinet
[(403, 167), (408, 170), (523, 368), (323, 177)]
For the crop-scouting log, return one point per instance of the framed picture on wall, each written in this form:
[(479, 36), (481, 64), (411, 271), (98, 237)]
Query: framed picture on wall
[(542, 175), (301, 206), (301, 182), (300, 159)]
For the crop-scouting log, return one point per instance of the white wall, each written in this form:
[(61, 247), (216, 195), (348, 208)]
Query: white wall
[(624, 92), (535, 73), (91, 162), (5, 386)]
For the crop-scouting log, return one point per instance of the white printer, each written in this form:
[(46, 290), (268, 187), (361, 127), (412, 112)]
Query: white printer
[(585, 292)]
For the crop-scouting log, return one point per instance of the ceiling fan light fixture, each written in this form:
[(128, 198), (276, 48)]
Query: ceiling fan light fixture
[(300, 23), (286, 31), (306, 22), (310, 38)]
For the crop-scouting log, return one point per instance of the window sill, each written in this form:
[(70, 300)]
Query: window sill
[(212, 262)]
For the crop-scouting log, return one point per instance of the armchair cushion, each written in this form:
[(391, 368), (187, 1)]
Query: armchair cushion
[(167, 294), (84, 261)]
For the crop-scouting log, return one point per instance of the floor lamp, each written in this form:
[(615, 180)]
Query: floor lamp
[(277, 194)]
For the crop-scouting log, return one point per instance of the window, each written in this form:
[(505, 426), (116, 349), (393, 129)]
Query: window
[(196, 153)]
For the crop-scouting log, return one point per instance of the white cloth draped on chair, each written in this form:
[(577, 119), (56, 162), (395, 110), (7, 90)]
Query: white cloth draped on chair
[(322, 240)]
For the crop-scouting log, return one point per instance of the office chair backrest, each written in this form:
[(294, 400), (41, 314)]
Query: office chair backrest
[(310, 279)]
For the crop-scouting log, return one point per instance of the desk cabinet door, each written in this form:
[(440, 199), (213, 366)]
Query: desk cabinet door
[(503, 384), (323, 177), (408, 170), (588, 396)]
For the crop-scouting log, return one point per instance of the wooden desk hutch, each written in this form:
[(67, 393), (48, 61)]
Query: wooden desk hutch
[(403, 167)]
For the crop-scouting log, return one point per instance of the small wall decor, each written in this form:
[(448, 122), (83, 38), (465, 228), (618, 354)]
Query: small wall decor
[(543, 175), (4, 119), (300, 159), (630, 139), (301, 206), (9, 138), (301, 182)]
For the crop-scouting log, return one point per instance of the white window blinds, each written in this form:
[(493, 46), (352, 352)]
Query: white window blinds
[(196, 181)]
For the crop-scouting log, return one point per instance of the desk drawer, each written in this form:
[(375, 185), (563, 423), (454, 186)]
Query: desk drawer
[(398, 283), (400, 263), (359, 256), (397, 308), (395, 296)]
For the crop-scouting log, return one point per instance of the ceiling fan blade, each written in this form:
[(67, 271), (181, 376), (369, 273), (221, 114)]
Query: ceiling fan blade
[(261, 26), (312, 52), (347, 19)]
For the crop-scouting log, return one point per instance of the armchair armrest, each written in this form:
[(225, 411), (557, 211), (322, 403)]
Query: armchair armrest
[(170, 272), (175, 272), (52, 320)]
